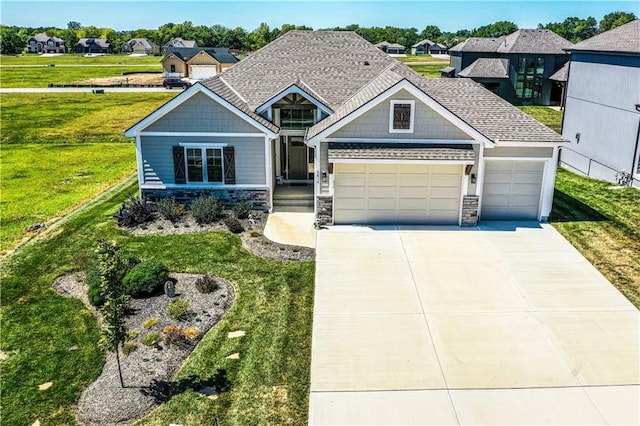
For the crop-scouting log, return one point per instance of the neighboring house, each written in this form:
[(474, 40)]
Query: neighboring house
[(517, 66), (391, 48), (93, 45), (428, 47), (377, 142), (178, 42), (197, 63), (140, 46), (42, 43), (602, 107)]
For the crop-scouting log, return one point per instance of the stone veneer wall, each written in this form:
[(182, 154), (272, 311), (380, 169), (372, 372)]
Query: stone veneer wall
[(228, 196), (324, 212), (470, 210)]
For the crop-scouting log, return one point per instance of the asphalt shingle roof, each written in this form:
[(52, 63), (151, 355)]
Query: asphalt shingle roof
[(333, 63), (543, 42), (425, 41), (486, 68), (400, 151), (625, 38), (562, 74), (486, 112), (220, 54)]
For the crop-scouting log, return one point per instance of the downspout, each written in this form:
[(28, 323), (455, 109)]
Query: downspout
[(635, 158)]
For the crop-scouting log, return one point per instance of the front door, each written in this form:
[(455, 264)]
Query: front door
[(297, 159)]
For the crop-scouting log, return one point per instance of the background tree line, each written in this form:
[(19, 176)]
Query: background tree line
[(13, 39)]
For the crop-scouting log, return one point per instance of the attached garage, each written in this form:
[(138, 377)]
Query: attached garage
[(201, 72), (512, 190), (397, 193)]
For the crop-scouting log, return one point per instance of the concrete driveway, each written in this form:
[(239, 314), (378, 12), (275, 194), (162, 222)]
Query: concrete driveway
[(505, 324)]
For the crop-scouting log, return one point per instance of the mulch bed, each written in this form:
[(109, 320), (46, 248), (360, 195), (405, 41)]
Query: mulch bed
[(105, 402), (253, 239)]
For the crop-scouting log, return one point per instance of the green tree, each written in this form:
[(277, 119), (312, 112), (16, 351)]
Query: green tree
[(431, 32), (11, 41), (615, 19), (112, 268), (496, 29), (573, 28)]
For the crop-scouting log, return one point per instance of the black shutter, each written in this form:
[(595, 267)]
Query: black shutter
[(178, 165), (229, 165)]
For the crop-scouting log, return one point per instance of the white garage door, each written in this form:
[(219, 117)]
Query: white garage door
[(402, 194), (512, 190), (201, 72)]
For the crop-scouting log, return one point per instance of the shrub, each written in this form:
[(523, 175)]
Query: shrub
[(191, 333), (134, 211), (242, 209), (169, 209), (206, 284), (178, 308), (233, 224), (145, 278), (172, 335), (206, 209), (149, 323), (151, 339), (129, 347), (94, 288)]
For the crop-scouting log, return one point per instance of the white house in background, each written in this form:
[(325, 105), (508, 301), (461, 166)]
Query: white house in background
[(602, 109), (373, 141)]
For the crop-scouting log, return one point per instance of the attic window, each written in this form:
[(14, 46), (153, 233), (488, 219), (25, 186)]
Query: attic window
[(401, 116)]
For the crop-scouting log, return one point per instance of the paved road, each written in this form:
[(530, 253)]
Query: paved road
[(499, 325), (87, 89)]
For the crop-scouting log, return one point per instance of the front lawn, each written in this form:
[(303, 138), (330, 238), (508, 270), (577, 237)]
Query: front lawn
[(48, 338), (603, 223), (61, 149)]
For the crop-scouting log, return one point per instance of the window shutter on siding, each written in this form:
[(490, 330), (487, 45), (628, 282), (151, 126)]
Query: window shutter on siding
[(229, 165), (178, 165)]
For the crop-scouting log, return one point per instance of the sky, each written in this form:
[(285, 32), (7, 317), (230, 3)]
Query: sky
[(449, 15)]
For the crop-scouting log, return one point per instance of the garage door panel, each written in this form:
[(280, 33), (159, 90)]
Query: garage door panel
[(412, 194), (413, 179), (512, 190), (351, 168), (350, 192)]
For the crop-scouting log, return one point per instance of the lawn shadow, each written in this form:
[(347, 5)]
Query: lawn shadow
[(568, 209), (162, 390)]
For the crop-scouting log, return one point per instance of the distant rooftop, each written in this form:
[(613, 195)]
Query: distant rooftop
[(625, 38)]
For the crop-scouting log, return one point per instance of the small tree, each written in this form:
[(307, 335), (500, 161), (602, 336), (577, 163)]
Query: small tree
[(112, 269)]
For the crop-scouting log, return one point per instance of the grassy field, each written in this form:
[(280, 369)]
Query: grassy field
[(425, 65), (58, 150), (604, 225), (36, 70), (270, 381), (547, 116)]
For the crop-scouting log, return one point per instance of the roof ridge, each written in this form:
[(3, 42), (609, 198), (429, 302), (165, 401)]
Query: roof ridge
[(385, 69)]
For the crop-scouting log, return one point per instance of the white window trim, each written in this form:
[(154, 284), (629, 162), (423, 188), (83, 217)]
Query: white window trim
[(412, 117), (203, 155)]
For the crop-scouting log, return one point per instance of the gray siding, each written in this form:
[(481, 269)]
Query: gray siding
[(600, 106), (375, 123), (201, 114), (158, 157), (507, 151)]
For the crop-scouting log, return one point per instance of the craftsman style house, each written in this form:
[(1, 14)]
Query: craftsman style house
[(197, 63), (602, 110), (516, 67), (428, 47), (373, 140), (42, 43)]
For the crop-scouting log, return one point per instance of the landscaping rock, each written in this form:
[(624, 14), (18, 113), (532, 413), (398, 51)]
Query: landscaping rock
[(235, 334), (45, 386)]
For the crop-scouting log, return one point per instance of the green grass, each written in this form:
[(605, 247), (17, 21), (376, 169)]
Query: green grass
[(547, 116), (67, 146), (604, 225), (35, 70), (73, 117), (270, 381), (425, 65)]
